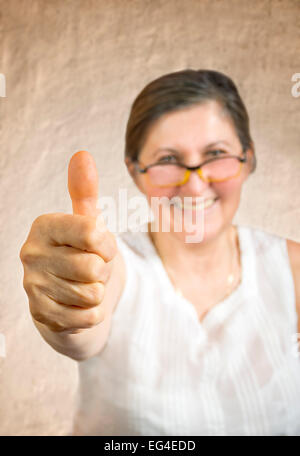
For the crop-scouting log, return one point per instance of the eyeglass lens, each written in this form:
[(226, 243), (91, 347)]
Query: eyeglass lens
[(216, 170)]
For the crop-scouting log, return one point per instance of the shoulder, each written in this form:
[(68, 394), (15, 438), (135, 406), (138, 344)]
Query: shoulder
[(270, 249), (263, 242), (293, 249), (294, 253)]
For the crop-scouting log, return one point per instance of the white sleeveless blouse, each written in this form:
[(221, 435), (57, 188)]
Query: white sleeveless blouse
[(163, 373)]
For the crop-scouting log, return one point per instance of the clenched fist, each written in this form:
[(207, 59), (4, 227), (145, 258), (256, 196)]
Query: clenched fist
[(67, 258)]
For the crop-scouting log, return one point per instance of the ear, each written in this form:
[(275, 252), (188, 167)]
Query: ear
[(251, 160)]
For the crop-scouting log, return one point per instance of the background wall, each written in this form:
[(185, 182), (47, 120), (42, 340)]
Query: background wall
[(72, 70)]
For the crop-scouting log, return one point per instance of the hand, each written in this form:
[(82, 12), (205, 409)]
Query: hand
[(67, 257)]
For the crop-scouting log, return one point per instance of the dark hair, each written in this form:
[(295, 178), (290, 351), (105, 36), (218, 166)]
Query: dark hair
[(179, 90)]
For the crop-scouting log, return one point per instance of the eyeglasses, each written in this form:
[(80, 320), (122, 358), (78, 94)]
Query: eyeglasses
[(166, 174)]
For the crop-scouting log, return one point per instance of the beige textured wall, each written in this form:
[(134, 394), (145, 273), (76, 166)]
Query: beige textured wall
[(72, 70)]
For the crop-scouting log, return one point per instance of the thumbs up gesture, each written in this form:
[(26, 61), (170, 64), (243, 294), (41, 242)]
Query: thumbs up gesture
[(83, 184), (68, 258)]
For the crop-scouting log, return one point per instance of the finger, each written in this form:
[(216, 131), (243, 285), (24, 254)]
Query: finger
[(80, 232), (71, 293), (60, 317), (74, 264), (83, 183)]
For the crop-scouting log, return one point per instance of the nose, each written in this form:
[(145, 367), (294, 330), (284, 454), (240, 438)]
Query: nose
[(194, 185)]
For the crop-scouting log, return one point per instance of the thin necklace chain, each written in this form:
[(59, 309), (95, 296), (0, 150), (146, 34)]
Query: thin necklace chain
[(232, 278)]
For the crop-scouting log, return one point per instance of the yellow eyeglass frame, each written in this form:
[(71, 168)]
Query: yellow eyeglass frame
[(190, 169)]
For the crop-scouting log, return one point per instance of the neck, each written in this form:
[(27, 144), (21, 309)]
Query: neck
[(204, 255)]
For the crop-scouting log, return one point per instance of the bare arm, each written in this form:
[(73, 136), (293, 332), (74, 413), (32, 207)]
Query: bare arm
[(294, 256), (73, 272)]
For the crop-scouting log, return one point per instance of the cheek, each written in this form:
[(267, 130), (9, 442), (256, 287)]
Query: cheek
[(230, 189), (152, 192)]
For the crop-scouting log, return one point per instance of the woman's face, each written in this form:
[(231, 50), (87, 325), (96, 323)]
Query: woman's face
[(190, 136)]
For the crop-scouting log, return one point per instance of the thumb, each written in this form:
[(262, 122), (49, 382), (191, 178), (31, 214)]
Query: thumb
[(83, 184)]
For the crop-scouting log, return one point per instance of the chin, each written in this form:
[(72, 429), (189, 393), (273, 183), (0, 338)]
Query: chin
[(202, 225)]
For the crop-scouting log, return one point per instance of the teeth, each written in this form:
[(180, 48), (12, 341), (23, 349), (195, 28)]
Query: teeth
[(207, 203)]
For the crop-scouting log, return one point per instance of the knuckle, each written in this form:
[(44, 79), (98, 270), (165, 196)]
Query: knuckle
[(43, 223), (91, 269), (37, 222), (100, 269), (40, 219), (96, 268), (27, 284), (93, 273), (93, 317), (96, 293), (84, 268), (33, 253), (78, 268), (104, 272), (22, 253), (27, 253), (40, 223), (30, 284)]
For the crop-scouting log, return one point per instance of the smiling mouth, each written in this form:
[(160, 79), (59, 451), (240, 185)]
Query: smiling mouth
[(206, 204)]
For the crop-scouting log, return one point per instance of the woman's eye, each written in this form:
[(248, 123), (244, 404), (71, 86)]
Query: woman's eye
[(216, 153), (167, 158)]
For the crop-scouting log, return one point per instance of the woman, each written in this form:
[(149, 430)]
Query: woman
[(216, 359), (200, 339)]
